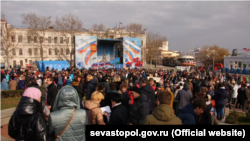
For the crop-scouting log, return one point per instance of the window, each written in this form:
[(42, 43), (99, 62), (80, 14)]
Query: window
[(61, 40), (35, 39), (67, 40), (56, 51), (41, 39), (21, 63), (141, 42), (50, 52), (72, 40), (49, 39), (14, 63), (35, 52), (26, 60), (67, 51), (55, 40), (20, 39), (20, 51), (30, 62), (13, 39), (29, 39), (14, 51), (61, 51), (30, 51)]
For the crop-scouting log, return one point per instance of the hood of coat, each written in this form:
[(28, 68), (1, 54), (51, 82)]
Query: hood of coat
[(27, 106), (91, 104), (67, 98), (164, 112)]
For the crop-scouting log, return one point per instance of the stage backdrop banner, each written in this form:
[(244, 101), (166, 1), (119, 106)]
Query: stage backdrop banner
[(85, 51), (132, 52)]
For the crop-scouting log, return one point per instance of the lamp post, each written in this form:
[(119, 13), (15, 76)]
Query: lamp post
[(213, 58)]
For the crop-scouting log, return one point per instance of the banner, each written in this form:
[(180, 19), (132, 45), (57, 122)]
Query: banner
[(182, 68)]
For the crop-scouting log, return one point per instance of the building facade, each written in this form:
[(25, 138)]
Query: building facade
[(21, 48), (237, 62)]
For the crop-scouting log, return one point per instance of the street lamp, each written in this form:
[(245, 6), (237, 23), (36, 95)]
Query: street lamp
[(213, 58)]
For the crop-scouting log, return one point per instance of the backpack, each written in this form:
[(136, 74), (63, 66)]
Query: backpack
[(89, 115)]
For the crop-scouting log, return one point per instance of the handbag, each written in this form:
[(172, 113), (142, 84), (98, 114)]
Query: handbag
[(66, 125)]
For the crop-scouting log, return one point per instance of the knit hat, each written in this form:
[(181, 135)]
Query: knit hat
[(33, 93), (136, 89)]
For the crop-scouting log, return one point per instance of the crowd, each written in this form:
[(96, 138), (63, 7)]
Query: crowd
[(136, 97)]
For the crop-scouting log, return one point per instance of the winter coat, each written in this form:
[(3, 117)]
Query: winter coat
[(149, 92), (97, 116), (51, 95), (12, 85), (187, 115), (139, 110), (219, 97), (183, 97), (91, 87), (68, 82), (4, 86), (119, 115), (79, 88), (65, 103), (22, 84), (163, 114), (242, 94), (27, 122)]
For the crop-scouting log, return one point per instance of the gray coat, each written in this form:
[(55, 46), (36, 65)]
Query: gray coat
[(66, 100), (183, 97)]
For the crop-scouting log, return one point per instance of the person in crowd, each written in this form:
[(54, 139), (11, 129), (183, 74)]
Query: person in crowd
[(22, 82), (13, 83), (140, 108), (178, 88), (235, 92), (67, 105), (124, 91), (91, 86), (104, 82), (117, 80), (27, 122), (189, 113), (51, 92), (60, 82), (68, 82), (94, 106), (79, 88), (119, 113), (242, 97), (4, 85), (149, 92), (27, 79), (219, 97), (7, 77), (172, 96), (112, 87), (183, 97), (163, 114)]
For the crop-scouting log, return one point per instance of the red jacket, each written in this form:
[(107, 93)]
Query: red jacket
[(131, 98)]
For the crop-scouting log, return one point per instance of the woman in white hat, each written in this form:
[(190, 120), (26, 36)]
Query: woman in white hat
[(235, 92)]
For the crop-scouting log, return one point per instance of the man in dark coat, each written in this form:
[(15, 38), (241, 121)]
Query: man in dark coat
[(119, 114), (242, 97), (149, 92), (140, 108), (52, 92), (91, 86)]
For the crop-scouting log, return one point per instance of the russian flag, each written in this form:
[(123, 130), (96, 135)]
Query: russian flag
[(107, 63), (101, 64)]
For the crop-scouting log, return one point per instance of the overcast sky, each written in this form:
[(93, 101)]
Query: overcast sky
[(186, 25)]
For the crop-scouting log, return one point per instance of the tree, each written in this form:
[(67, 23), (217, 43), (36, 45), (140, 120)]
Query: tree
[(38, 27), (8, 42), (234, 52), (154, 42), (135, 29), (100, 30), (68, 26), (208, 54)]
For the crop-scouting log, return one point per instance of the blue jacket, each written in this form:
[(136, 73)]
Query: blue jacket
[(68, 82), (144, 75), (4, 86), (188, 115), (72, 77), (22, 84), (219, 97)]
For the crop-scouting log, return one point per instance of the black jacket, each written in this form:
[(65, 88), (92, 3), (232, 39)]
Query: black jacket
[(139, 110), (91, 87), (205, 118), (27, 122), (119, 115), (149, 92), (79, 88), (51, 95)]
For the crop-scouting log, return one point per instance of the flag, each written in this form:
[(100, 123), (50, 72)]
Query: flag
[(101, 64), (244, 48), (117, 60), (107, 63), (120, 22), (136, 59)]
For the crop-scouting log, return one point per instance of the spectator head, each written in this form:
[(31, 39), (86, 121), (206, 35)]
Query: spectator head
[(117, 78), (112, 86), (78, 78), (100, 87), (135, 91), (97, 96), (151, 81), (144, 82), (12, 78), (116, 98), (124, 87), (199, 105), (50, 80), (33, 81), (89, 77), (164, 97)]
